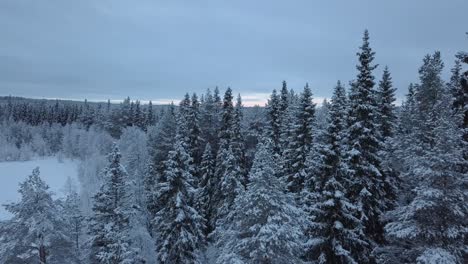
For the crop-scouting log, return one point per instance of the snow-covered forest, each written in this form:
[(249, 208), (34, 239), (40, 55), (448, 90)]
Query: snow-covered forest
[(359, 178)]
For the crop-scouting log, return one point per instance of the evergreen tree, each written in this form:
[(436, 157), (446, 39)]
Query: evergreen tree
[(138, 116), (74, 222), (184, 107), (406, 117), (37, 232), (160, 141), (177, 225), (363, 141), (207, 187), (287, 132), (195, 131), (434, 221), (225, 132), (264, 225), (322, 116), (335, 234), (131, 114), (209, 120), (428, 93), (386, 106), (428, 221), (87, 115), (109, 223), (460, 102), (300, 142), (230, 184), (125, 113), (431, 87), (387, 122), (217, 97), (150, 119), (230, 168), (285, 109), (133, 145), (274, 120), (285, 98), (237, 138), (454, 85)]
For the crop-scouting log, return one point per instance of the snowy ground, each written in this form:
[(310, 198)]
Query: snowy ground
[(53, 172)]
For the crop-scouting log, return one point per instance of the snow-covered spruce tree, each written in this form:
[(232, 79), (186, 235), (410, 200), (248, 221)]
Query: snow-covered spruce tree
[(190, 134), (274, 120), (217, 98), (335, 234), (386, 106), (434, 222), (322, 116), (138, 116), (419, 115), (237, 138), (196, 150), (254, 127), (284, 97), (178, 227), (184, 108), (75, 223), (229, 187), (109, 224), (229, 172), (387, 123), (206, 186), (160, 141), (335, 134), (294, 155), (455, 83), (363, 142), (287, 132), (150, 117), (460, 100), (37, 232), (405, 130), (133, 146), (431, 87), (285, 110), (227, 116), (264, 225), (87, 115), (209, 120)]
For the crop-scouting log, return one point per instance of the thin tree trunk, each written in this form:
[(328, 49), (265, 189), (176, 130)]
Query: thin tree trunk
[(42, 254)]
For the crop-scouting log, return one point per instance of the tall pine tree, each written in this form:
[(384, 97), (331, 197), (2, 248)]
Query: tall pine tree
[(160, 141), (363, 141), (386, 106), (109, 224), (274, 120), (300, 142), (264, 225), (335, 234), (178, 226), (37, 233)]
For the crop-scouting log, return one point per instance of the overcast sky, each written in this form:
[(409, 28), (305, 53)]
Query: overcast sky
[(158, 50)]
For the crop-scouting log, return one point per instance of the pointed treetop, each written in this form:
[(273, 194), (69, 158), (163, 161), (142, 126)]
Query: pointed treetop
[(114, 156), (239, 101), (366, 56)]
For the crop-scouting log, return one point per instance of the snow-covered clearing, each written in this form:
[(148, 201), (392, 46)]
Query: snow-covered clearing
[(53, 172)]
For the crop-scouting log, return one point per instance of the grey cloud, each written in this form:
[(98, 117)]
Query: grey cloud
[(161, 49)]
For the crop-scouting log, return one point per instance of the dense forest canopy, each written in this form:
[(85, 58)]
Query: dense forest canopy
[(357, 179)]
